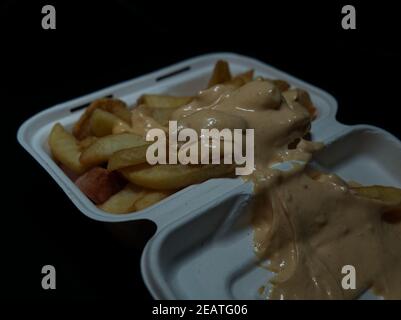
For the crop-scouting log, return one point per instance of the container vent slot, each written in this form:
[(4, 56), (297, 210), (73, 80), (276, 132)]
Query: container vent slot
[(171, 74)]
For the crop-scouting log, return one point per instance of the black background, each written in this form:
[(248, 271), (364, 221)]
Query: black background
[(97, 44)]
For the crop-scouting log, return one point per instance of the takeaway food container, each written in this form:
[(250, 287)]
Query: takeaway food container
[(201, 229)]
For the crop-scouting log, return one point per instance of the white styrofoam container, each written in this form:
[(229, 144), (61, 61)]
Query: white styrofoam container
[(203, 248)]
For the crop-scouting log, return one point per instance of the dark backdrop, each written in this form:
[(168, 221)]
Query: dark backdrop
[(97, 44)]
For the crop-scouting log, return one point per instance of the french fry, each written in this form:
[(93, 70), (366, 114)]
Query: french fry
[(163, 101), (281, 85), (161, 115), (127, 157), (82, 128), (240, 79), (388, 195), (149, 199), (221, 73), (103, 148), (65, 149), (69, 173), (124, 200), (160, 107), (120, 109), (103, 122), (303, 98), (168, 177), (86, 142)]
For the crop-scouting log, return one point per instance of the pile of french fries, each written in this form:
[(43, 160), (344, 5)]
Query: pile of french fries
[(105, 155)]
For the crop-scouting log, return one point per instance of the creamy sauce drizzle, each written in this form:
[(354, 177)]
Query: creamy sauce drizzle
[(308, 226), (308, 229)]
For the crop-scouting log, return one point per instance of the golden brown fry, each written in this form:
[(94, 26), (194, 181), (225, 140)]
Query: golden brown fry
[(101, 150), (163, 101), (389, 195), (302, 97), (65, 149), (168, 177), (86, 142), (161, 115), (123, 201), (103, 122), (120, 109), (221, 73), (240, 79), (305, 100), (82, 127), (281, 85), (160, 107), (150, 198), (127, 157)]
